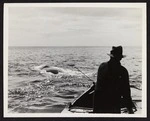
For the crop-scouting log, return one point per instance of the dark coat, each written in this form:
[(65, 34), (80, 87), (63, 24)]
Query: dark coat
[(112, 84)]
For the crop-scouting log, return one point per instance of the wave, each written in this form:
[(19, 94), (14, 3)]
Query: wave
[(65, 96)]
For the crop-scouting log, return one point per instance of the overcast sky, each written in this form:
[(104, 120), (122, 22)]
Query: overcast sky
[(74, 26)]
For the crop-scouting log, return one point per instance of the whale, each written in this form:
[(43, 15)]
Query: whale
[(52, 70), (55, 70)]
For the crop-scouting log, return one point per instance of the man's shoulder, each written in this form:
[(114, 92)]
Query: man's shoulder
[(123, 69), (103, 65)]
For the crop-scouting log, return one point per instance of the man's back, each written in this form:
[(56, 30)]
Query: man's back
[(108, 86), (112, 84)]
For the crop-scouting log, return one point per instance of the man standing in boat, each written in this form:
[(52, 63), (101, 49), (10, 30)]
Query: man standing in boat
[(112, 85)]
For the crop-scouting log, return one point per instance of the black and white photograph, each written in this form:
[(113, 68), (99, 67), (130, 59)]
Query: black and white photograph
[(75, 60)]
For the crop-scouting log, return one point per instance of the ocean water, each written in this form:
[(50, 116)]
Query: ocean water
[(32, 88)]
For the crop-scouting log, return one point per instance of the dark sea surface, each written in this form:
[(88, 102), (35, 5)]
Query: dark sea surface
[(34, 89)]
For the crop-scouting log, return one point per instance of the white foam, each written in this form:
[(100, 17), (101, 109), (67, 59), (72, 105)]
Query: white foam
[(45, 69)]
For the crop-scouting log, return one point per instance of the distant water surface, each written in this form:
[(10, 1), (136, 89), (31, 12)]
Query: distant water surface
[(32, 89)]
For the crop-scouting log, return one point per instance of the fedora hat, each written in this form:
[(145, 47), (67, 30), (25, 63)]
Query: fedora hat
[(116, 52)]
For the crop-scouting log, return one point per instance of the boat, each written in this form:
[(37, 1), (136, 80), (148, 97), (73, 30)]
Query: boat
[(84, 103)]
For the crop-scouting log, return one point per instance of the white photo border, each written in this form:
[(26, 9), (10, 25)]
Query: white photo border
[(111, 5)]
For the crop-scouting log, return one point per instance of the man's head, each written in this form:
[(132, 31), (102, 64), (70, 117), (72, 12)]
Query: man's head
[(116, 53)]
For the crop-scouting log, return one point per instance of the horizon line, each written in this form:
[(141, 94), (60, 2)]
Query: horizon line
[(76, 46)]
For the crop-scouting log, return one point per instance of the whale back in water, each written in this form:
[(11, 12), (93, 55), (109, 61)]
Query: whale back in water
[(54, 71), (46, 68)]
